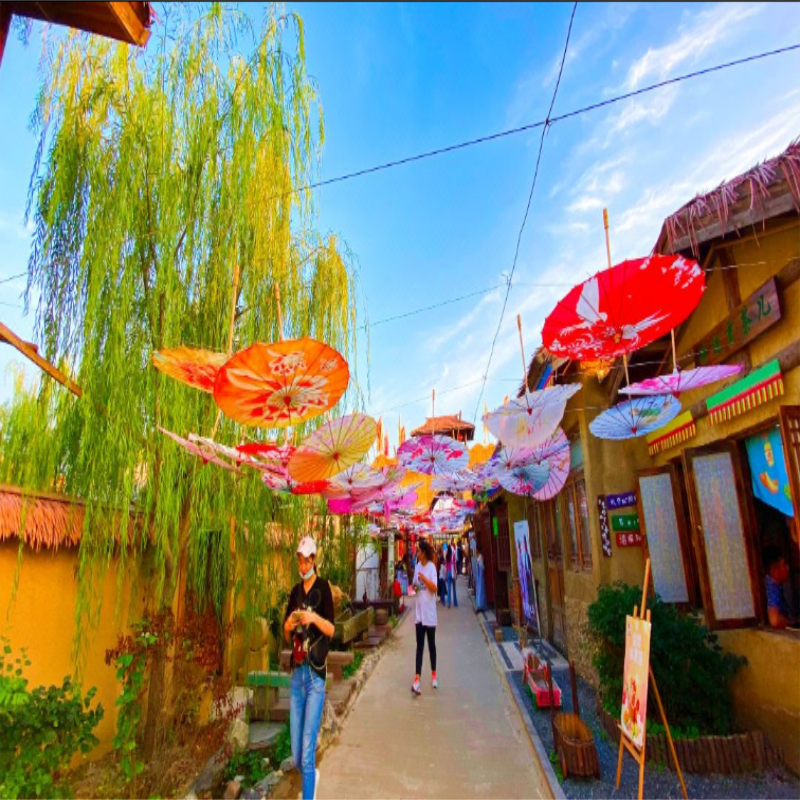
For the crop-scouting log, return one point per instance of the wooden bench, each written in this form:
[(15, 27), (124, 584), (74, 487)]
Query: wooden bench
[(336, 663)]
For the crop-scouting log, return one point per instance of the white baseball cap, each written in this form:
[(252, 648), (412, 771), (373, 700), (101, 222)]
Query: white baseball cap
[(307, 547)]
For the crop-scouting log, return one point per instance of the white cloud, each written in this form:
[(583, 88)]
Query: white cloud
[(585, 203), (651, 111), (707, 29)]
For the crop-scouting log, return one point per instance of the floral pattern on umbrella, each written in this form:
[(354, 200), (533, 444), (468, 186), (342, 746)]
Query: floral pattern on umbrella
[(555, 454), (461, 481), (531, 419), (280, 384), (624, 308), (359, 476), (433, 455), (196, 368), (683, 380), (333, 448), (635, 417)]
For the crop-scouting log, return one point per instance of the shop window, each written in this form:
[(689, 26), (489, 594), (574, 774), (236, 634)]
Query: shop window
[(576, 509), (572, 520), (583, 516)]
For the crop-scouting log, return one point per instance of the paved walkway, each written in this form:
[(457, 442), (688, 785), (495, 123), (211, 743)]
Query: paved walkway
[(464, 740)]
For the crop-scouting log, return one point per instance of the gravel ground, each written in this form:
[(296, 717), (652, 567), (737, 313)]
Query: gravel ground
[(663, 783)]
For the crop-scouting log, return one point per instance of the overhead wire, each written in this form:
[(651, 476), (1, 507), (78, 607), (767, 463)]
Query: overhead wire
[(527, 207)]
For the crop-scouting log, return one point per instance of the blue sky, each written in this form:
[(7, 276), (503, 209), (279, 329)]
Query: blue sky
[(396, 79)]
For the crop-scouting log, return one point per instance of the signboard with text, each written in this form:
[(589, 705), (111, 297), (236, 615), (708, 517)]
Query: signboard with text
[(614, 501), (605, 533), (629, 539), (635, 679), (625, 522)]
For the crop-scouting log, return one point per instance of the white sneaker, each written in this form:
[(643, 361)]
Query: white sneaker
[(415, 687), (435, 683), (316, 783)]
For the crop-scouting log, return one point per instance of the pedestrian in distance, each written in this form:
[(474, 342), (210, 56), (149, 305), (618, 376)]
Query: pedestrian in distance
[(441, 584), (308, 626), (452, 597), (425, 613), (459, 557), (480, 584)]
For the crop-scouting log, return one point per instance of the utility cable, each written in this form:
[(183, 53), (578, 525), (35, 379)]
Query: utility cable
[(527, 209)]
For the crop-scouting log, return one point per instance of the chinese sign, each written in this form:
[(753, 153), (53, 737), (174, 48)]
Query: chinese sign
[(526, 587), (620, 500), (625, 522), (605, 534), (634, 680), (629, 539), (755, 315)]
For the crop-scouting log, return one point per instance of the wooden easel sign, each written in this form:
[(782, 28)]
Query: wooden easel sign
[(637, 676)]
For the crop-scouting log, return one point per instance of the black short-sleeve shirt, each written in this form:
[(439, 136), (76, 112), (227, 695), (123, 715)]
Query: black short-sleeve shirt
[(319, 600)]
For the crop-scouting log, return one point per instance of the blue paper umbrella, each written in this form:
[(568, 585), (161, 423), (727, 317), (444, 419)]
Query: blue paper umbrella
[(636, 417)]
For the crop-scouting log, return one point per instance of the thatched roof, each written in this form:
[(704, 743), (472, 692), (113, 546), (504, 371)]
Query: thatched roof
[(48, 522), (765, 191), (448, 424)]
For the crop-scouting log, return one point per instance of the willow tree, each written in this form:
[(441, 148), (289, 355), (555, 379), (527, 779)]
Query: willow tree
[(158, 172)]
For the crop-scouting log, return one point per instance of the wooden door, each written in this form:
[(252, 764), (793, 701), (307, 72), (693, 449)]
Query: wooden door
[(790, 433), (722, 530), (554, 525)]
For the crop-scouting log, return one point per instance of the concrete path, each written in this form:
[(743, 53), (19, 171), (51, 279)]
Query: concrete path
[(464, 740)]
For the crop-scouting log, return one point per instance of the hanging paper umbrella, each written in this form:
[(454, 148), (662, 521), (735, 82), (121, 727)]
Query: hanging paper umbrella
[(525, 479), (340, 505), (359, 476), (635, 417), (433, 455), (624, 308), (206, 454), (531, 419), (280, 384), (683, 380), (197, 368), (332, 448), (461, 481), (268, 452), (555, 454), (224, 451)]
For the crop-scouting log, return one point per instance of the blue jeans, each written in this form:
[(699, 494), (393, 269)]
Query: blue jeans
[(452, 597), (305, 716)]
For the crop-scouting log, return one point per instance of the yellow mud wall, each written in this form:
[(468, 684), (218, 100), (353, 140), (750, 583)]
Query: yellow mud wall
[(41, 618)]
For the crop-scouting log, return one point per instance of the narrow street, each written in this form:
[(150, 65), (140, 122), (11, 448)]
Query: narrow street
[(465, 739)]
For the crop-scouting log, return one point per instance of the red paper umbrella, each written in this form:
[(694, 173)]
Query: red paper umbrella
[(280, 384), (197, 368), (624, 308), (312, 487)]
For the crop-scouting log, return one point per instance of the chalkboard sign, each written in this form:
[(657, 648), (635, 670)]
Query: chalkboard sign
[(723, 534), (663, 537)]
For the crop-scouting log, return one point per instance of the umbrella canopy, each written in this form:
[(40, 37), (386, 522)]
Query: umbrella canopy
[(224, 451), (359, 476), (433, 455), (636, 417), (524, 479), (196, 368), (333, 448), (531, 419), (624, 308), (205, 453), (281, 482), (555, 454), (268, 452), (280, 384), (683, 380), (461, 481)]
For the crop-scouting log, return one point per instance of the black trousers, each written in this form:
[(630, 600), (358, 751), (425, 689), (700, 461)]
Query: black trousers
[(421, 631)]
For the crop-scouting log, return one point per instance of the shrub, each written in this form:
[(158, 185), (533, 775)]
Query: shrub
[(350, 669), (249, 765), (41, 729), (692, 671)]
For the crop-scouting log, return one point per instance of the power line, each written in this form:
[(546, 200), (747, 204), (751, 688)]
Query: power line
[(527, 208), (541, 123), (13, 277)]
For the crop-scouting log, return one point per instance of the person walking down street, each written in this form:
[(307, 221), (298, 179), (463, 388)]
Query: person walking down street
[(480, 585), (452, 597), (459, 558), (425, 613), (308, 625), (441, 583)]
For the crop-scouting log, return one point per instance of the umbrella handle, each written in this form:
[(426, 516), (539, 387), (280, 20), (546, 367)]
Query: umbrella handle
[(674, 353), (522, 350), (608, 241)]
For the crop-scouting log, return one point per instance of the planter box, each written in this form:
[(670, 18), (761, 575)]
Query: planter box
[(350, 627), (740, 754)]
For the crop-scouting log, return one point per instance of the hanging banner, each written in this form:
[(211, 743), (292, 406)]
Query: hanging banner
[(768, 468), (760, 386), (620, 500), (605, 533), (525, 571), (673, 433), (635, 679)]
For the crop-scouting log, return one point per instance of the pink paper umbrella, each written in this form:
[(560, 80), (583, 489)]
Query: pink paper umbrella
[(461, 481), (206, 454), (433, 455), (224, 451), (359, 476), (555, 453), (340, 505), (683, 380)]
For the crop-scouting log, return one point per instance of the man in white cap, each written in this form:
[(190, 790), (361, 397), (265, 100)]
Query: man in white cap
[(308, 625)]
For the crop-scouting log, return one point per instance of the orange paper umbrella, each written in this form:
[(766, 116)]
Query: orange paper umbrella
[(333, 448), (197, 368), (280, 384)]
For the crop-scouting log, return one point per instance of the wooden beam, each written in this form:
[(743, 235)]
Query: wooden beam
[(5, 25), (30, 351), (130, 22)]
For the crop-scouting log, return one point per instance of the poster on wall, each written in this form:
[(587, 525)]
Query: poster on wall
[(525, 571), (634, 681), (768, 468)]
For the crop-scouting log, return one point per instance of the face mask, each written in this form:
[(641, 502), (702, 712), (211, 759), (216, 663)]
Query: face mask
[(307, 576)]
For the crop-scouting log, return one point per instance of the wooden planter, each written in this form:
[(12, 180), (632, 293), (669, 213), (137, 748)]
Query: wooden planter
[(574, 744), (349, 627), (740, 754)]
